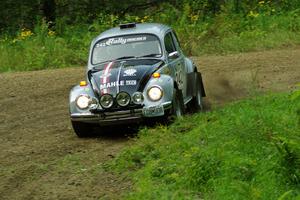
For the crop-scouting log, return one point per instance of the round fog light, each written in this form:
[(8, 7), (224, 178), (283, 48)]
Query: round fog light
[(106, 101), (123, 99), (93, 103), (138, 98)]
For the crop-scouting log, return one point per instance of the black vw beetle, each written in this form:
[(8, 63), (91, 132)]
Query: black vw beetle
[(135, 72)]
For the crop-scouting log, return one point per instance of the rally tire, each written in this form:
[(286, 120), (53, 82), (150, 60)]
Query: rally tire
[(178, 109), (82, 129)]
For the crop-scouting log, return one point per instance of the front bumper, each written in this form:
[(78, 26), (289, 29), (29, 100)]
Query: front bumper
[(116, 117)]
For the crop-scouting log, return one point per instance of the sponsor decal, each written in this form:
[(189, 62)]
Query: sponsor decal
[(105, 86), (131, 82), (105, 75), (105, 78), (120, 40), (130, 72)]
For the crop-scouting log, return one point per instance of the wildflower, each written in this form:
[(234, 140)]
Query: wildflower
[(194, 18), (25, 34), (253, 14), (51, 33)]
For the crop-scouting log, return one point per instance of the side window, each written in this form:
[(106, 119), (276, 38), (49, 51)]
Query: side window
[(169, 44), (176, 39)]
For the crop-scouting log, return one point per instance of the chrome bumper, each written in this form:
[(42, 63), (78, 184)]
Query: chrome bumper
[(126, 116)]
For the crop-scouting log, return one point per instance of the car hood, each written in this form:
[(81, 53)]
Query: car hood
[(126, 75)]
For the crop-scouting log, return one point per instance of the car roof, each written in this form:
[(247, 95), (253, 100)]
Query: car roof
[(152, 28)]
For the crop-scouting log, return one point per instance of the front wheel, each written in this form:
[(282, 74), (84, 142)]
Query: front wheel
[(177, 104), (82, 129)]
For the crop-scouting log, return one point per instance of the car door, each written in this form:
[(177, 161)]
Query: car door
[(176, 61)]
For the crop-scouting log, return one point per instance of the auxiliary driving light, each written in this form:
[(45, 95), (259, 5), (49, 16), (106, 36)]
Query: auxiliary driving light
[(106, 101), (93, 104), (123, 99), (138, 98)]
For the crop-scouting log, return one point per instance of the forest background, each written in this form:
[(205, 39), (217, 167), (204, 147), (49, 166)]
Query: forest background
[(39, 34)]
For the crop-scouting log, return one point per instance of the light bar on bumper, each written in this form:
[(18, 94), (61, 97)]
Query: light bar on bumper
[(106, 101), (123, 99)]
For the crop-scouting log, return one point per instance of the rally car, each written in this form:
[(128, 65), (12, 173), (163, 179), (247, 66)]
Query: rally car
[(135, 72)]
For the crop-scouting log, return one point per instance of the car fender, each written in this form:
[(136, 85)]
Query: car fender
[(189, 65), (166, 83)]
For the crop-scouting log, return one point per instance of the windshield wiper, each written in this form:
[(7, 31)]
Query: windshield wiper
[(125, 57), (150, 55)]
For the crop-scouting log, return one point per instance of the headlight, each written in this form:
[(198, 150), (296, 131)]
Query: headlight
[(138, 98), (106, 101), (123, 99), (83, 101), (155, 93)]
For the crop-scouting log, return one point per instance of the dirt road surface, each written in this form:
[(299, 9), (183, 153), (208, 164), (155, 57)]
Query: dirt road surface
[(41, 158)]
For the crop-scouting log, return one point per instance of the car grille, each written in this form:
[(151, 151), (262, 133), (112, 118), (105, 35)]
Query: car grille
[(122, 114)]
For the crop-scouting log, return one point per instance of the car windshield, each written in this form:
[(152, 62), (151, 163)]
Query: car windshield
[(130, 46)]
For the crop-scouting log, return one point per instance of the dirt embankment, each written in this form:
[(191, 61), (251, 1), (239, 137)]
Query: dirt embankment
[(40, 156), (232, 77)]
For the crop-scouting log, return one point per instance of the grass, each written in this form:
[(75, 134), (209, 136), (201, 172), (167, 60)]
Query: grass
[(234, 34), (247, 150), (41, 50)]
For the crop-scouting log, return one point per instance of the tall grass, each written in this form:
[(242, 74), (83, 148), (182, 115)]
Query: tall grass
[(246, 150), (42, 49)]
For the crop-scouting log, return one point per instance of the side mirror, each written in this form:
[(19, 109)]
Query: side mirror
[(173, 55)]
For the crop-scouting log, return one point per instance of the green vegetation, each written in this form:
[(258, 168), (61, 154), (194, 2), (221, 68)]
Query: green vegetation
[(59, 34), (247, 150)]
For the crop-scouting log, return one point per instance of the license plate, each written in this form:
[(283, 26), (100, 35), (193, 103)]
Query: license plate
[(153, 111)]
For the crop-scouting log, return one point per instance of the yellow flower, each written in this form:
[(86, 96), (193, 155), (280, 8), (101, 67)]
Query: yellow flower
[(194, 18), (51, 33), (25, 34), (253, 14)]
